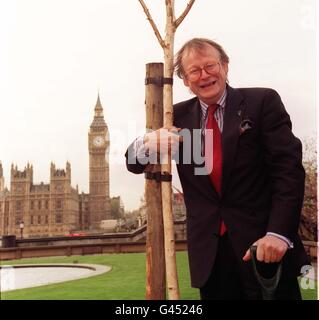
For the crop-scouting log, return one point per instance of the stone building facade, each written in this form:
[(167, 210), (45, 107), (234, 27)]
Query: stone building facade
[(57, 208)]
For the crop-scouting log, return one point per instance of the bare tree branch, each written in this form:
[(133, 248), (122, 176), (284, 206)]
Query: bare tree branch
[(170, 15), (151, 21), (183, 15)]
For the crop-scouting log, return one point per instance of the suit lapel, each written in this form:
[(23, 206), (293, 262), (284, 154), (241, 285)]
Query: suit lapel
[(191, 121), (192, 118), (230, 136), (230, 133)]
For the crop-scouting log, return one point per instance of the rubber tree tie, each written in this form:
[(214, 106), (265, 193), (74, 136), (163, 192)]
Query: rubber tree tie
[(158, 176), (159, 81)]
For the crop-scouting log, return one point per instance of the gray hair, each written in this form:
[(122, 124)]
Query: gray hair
[(197, 44)]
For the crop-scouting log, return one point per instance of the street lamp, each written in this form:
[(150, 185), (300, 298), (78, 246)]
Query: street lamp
[(21, 225)]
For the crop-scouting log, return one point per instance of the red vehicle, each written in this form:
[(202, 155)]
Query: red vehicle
[(81, 234)]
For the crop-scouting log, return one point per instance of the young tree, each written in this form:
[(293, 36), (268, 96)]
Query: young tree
[(168, 47)]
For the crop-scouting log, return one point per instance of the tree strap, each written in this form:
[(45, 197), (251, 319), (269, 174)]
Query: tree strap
[(158, 176), (159, 81)]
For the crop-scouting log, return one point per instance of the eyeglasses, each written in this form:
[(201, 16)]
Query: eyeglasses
[(195, 73)]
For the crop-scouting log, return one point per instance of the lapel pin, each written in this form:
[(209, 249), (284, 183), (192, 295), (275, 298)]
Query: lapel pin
[(239, 113), (246, 124)]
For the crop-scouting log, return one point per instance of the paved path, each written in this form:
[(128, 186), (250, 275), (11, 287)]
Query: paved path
[(26, 276)]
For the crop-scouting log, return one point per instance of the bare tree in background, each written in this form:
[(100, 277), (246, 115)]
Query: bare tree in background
[(308, 224), (168, 47)]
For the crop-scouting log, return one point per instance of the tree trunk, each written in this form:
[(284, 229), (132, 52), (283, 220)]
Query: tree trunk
[(168, 46), (170, 255)]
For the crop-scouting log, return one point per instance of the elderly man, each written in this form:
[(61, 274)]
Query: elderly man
[(253, 189)]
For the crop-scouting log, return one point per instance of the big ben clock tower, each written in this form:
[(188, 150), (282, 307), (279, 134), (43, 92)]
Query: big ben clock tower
[(99, 198)]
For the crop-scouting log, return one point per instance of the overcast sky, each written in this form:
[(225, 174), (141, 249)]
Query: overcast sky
[(57, 54)]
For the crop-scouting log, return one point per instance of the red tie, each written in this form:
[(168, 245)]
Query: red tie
[(215, 174)]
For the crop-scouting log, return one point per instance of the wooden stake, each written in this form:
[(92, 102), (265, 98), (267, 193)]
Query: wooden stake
[(155, 257)]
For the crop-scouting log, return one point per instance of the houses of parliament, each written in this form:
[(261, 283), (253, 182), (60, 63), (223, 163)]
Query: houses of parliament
[(57, 208)]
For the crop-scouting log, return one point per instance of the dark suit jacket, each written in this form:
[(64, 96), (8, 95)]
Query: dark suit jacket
[(262, 181)]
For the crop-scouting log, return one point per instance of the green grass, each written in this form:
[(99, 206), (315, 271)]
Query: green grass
[(126, 280), (309, 294)]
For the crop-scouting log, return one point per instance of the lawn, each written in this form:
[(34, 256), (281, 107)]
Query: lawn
[(126, 280)]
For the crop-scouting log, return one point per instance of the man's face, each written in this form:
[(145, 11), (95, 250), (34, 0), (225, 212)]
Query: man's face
[(209, 87)]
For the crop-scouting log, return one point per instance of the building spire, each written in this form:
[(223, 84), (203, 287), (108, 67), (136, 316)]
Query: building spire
[(98, 120), (98, 107)]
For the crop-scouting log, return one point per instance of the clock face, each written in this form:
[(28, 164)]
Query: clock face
[(98, 141)]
